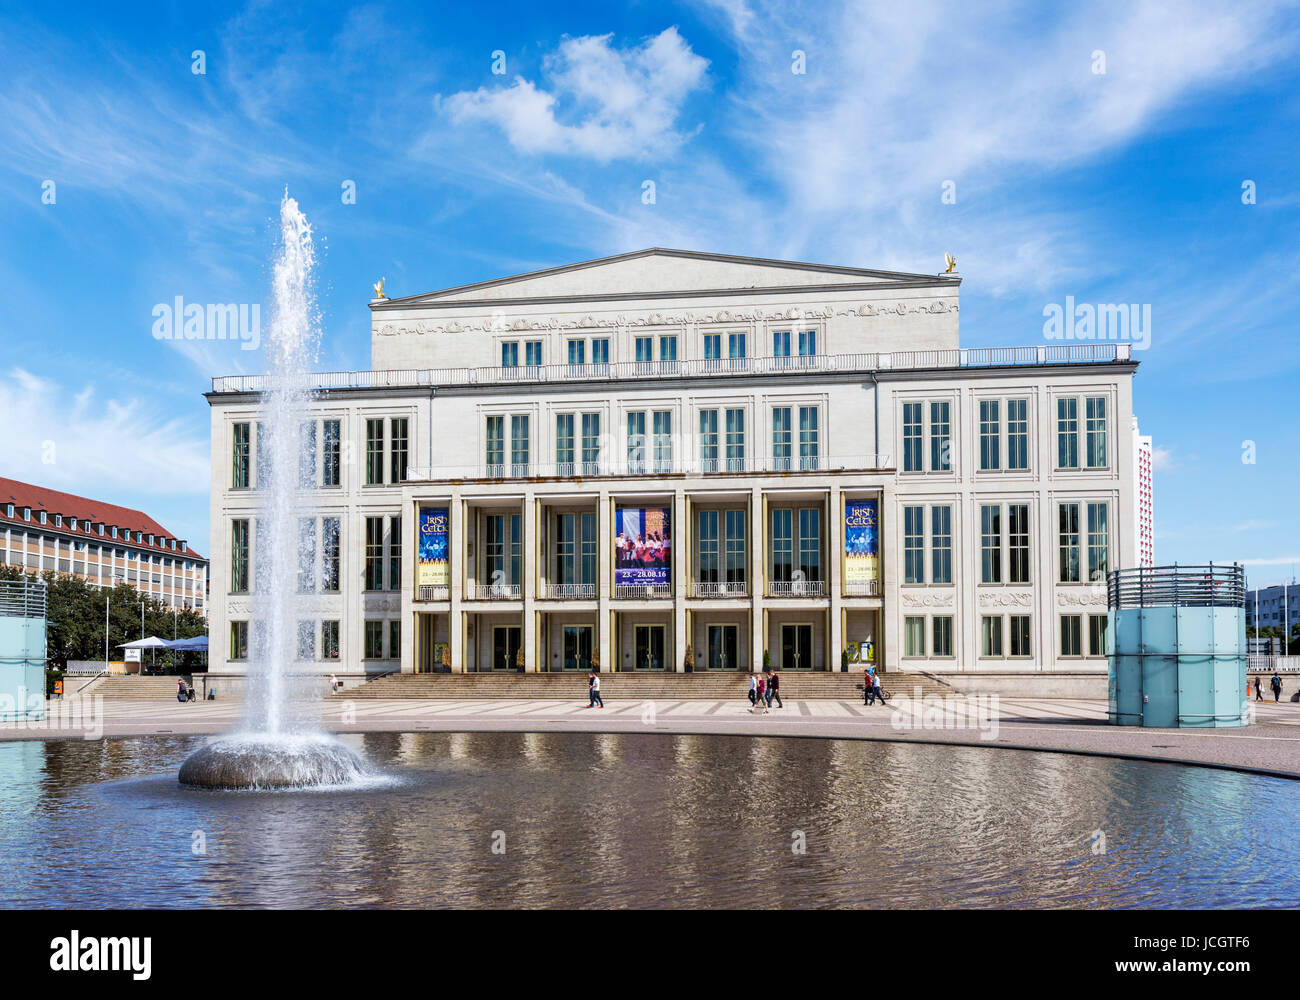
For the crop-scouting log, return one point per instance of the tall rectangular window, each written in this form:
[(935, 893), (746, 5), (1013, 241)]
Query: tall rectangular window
[(1071, 635), (940, 436), (990, 543), (941, 544), (712, 346), (239, 640), (306, 555), (708, 440), (332, 453), (329, 640), (374, 640), (914, 636), (394, 553), (239, 556), (636, 442), (782, 544), (577, 352), (504, 548), (668, 347), (564, 444), (395, 640), (914, 544), (306, 641), (941, 635), (1095, 415), (374, 452), (809, 438), (329, 569), (519, 446), (533, 353), (912, 437), (590, 444), (991, 635), (781, 343), (1020, 635), (810, 542), (1018, 542), (238, 458), (510, 355), (600, 351), (264, 453), (709, 547), (495, 452), (782, 439), (734, 546), (735, 443), (663, 440), (1096, 635), (735, 345), (1067, 433), (990, 435), (807, 343), (374, 560), (1068, 537), (1017, 434), (1098, 541), (399, 448), (644, 348)]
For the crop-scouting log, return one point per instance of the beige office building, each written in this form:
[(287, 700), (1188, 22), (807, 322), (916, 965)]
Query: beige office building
[(669, 455)]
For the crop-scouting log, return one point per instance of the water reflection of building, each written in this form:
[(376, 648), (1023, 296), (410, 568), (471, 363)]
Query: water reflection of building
[(619, 461)]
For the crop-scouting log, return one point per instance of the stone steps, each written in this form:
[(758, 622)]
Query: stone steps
[(119, 687), (677, 687)]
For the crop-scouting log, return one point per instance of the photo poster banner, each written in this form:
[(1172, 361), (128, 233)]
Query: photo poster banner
[(642, 547), (861, 541), (432, 566)]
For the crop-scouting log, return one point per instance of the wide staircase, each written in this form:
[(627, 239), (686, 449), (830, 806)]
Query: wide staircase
[(117, 686), (710, 686)]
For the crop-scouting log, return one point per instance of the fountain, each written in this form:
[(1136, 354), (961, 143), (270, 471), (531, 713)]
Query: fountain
[(276, 746)]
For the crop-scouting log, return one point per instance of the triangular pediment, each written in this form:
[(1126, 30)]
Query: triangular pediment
[(658, 272)]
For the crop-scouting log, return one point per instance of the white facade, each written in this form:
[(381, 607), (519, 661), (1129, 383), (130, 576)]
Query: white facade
[(727, 391), (1143, 497)]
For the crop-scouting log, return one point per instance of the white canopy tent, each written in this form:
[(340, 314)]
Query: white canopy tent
[(153, 642)]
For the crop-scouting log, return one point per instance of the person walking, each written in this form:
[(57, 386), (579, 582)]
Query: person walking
[(593, 691), (762, 696), (774, 690), (1276, 684), (877, 690), (867, 688), (753, 691), (1259, 695)]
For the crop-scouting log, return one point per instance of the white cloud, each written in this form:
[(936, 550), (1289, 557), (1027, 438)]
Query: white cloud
[(73, 439), (620, 102), (1162, 459)]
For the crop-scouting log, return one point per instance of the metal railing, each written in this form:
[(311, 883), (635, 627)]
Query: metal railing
[(567, 591), (796, 588), (983, 357), (613, 463), (1177, 587), (733, 588), (494, 592), (23, 598), (1273, 664), (627, 592), (432, 592), (862, 588)]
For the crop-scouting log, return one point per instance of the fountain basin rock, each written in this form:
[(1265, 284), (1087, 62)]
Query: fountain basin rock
[(256, 761)]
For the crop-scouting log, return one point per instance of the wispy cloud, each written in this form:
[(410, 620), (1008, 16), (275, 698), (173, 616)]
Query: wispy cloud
[(621, 102)]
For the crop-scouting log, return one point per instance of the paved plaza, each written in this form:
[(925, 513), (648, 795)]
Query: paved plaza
[(1272, 745)]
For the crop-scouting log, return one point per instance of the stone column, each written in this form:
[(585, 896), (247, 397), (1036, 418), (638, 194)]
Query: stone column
[(681, 570)]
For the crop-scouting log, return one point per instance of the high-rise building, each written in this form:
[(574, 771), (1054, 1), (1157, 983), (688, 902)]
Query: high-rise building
[(623, 460), (1143, 497)]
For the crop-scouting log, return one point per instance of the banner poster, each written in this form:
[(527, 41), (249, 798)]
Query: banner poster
[(642, 547), (432, 567), (861, 541)]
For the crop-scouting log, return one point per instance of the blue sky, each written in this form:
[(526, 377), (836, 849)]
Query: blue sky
[(1115, 187)]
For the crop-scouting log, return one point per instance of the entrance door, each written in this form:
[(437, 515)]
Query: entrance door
[(577, 647), (796, 647), (649, 647), (506, 640), (724, 647)]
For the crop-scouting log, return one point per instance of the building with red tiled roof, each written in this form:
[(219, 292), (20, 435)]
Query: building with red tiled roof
[(43, 529)]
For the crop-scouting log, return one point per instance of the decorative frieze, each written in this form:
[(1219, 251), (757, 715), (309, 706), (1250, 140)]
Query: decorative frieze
[(928, 599)]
